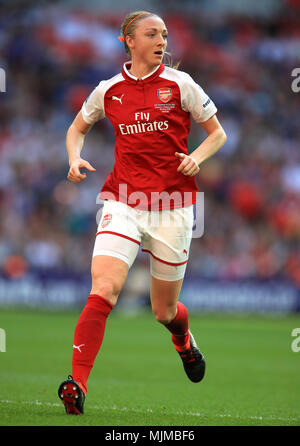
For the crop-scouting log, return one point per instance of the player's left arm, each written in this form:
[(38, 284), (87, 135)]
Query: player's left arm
[(216, 138)]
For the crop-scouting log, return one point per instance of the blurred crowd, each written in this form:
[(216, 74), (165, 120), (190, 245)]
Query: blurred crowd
[(53, 58)]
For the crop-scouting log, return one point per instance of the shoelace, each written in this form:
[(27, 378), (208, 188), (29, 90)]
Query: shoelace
[(190, 355)]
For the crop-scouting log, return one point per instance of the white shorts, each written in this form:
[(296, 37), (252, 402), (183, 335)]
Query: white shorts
[(166, 235)]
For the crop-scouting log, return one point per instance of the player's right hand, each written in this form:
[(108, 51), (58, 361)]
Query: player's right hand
[(75, 174)]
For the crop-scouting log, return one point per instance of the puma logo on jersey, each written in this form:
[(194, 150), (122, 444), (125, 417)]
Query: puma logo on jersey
[(115, 98), (78, 347)]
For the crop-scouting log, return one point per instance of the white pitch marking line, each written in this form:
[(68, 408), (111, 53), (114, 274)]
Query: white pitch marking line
[(127, 409)]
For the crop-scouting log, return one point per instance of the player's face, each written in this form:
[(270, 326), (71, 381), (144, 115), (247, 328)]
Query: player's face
[(149, 42)]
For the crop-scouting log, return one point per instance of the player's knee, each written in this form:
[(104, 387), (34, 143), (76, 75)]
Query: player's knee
[(164, 316), (108, 289)]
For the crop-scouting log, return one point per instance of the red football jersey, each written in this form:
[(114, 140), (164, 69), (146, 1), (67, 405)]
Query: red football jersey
[(151, 120)]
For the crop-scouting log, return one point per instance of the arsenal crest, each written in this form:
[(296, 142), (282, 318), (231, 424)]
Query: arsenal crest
[(106, 220), (164, 94)]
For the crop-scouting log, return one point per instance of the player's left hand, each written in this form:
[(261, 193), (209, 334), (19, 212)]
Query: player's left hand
[(188, 165)]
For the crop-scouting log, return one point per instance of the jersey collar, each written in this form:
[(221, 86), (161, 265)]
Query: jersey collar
[(148, 78)]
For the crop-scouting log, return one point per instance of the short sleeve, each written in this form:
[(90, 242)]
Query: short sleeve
[(93, 107), (196, 101)]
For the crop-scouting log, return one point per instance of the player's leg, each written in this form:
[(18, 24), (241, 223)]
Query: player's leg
[(168, 243), (108, 277), (114, 252), (164, 301), (174, 316), (167, 310), (116, 246)]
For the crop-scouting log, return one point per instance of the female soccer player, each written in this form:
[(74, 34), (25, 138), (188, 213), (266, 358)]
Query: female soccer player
[(149, 195)]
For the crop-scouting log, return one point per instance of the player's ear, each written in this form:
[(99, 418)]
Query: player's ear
[(129, 42)]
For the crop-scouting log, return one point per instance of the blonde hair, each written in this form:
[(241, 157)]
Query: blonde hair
[(129, 26)]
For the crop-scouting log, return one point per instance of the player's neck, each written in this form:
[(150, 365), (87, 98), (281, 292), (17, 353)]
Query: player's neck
[(140, 69)]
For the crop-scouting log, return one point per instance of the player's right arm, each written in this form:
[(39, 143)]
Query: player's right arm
[(74, 144)]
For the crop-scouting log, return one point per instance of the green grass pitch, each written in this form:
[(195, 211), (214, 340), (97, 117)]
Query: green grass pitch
[(252, 376)]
